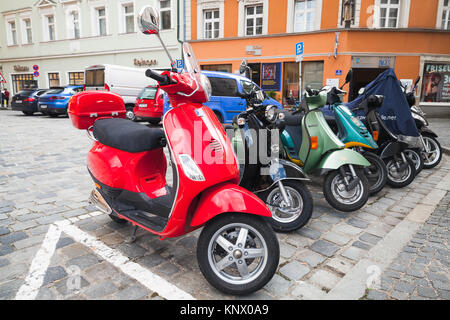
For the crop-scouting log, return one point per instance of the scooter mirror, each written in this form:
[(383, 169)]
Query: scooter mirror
[(349, 76), (260, 95), (243, 66), (148, 20), (417, 81)]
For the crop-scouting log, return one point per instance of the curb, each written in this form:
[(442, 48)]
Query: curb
[(446, 150)]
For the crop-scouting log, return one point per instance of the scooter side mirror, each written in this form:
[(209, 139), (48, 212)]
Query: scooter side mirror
[(148, 20), (417, 81)]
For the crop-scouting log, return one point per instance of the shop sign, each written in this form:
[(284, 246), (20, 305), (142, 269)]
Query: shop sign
[(145, 63), (18, 68), (436, 82), (373, 62), (271, 76), (254, 50)]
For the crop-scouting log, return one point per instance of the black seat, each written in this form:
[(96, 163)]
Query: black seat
[(128, 136)]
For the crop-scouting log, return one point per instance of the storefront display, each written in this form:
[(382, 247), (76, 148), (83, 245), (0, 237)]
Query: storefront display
[(436, 83)]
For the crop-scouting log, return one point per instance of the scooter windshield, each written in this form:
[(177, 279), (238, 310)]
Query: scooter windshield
[(191, 66)]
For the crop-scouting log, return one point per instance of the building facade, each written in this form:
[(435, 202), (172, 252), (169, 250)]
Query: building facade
[(411, 36), (49, 43)]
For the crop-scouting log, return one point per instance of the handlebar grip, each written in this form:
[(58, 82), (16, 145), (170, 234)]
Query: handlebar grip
[(163, 80)]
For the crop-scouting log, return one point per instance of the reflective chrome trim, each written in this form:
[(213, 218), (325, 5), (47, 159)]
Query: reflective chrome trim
[(99, 202)]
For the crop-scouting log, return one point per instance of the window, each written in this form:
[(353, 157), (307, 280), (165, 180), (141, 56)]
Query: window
[(148, 93), (76, 78), (128, 13), (12, 33), (305, 12), (223, 87), (217, 67), (53, 79), (27, 31), (348, 10), (446, 15), (75, 19), (389, 13), (166, 19), (51, 28), (212, 24), (254, 20), (101, 21)]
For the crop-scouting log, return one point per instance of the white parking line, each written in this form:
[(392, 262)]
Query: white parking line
[(42, 259)]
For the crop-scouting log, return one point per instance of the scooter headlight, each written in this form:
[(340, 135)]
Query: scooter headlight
[(270, 113), (190, 168)]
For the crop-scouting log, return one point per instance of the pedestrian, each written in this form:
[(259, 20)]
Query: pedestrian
[(6, 97)]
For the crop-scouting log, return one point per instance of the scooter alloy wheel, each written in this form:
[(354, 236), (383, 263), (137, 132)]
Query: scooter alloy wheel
[(400, 179), (287, 218), (376, 173), (434, 156), (417, 157), (337, 195), (238, 253)]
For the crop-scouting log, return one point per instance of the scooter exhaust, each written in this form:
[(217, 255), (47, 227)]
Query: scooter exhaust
[(99, 202)]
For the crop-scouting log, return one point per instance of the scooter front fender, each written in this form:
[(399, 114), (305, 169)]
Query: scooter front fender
[(227, 197), (338, 158), (428, 131)]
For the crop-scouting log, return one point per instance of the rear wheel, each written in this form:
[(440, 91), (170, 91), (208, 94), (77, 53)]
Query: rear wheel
[(342, 197), (400, 173), (238, 253), (285, 217), (417, 157), (376, 173), (434, 155)]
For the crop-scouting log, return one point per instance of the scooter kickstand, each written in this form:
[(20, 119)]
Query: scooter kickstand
[(132, 237)]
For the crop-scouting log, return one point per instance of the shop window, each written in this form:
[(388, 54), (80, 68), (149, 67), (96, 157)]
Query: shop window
[(23, 81), (312, 75), (165, 12), (223, 87), (254, 20), (211, 24), (53, 79), (76, 78), (436, 82), (305, 13), (217, 67)]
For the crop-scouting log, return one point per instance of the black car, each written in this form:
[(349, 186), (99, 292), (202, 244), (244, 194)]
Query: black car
[(27, 101)]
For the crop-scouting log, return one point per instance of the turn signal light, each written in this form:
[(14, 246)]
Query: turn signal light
[(314, 143), (375, 135)]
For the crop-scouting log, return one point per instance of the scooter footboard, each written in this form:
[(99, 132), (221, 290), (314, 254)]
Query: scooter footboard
[(336, 159), (227, 197)]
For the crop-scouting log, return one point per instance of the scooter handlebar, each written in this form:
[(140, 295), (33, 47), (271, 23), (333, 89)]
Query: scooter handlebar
[(163, 80)]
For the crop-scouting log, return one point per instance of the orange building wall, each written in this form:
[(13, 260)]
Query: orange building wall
[(423, 14), (231, 19), (366, 13), (330, 14), (194, 19), (277, 16)]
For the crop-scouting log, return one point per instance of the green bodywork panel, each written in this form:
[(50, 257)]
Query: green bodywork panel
[(336, 159)]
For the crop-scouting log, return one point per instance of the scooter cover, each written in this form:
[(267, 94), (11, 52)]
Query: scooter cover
[(395, 111)]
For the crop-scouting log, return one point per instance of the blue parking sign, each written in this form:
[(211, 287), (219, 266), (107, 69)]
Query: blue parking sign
[(179, 64), (299, 49)]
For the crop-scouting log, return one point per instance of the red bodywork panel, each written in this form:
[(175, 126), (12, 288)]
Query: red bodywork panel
[(87, 106)]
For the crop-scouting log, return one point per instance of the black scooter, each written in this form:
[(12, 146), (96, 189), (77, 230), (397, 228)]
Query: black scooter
[(401, 169), (279, 183), (432, 151)]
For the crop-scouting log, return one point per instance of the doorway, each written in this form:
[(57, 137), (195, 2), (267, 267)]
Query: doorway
[(361, 78)]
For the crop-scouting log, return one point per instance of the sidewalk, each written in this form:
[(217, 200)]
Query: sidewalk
[(442, 128)]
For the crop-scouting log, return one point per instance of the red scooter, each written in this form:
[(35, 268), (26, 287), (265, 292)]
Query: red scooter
[(237, 250)]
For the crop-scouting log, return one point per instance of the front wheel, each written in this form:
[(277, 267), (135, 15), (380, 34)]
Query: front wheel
[(130, 114), (289, 217), (416, 157), (376, 173), (400, 173), (238, 253), (433, 153), (346, 196)]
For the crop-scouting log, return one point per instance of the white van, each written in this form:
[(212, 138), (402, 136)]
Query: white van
[(125, 81)]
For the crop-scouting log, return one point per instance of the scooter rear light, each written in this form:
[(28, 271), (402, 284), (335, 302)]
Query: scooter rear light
[(375, 135), (314, 143)]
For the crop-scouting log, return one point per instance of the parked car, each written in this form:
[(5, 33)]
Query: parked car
[(54, 102), (27, 101), (125, 81), (149, 104), (226, 100)]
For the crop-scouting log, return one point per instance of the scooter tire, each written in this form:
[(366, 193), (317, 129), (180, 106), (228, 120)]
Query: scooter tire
[(346, 207), (410, 178), (380, 166), (419, 160), (438, 149), (205, 256), (306, 211)]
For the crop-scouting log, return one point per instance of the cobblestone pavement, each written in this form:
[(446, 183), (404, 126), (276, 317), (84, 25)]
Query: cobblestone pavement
[(421, 270), (43, 180)]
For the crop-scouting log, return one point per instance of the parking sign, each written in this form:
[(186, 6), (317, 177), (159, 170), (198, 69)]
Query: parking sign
[(299, 51), (179, 64)]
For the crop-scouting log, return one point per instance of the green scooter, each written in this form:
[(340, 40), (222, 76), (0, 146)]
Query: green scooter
[(309, 142)]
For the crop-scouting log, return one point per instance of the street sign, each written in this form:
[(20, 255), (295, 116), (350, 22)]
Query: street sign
[(35, 67), (339, 72), (2, 79), (36, 74), (299, 51), (179, 64)]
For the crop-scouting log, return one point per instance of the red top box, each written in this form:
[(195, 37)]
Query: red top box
[(88, 106)]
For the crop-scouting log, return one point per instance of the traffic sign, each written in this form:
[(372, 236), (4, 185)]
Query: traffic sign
[(36, 74), (35, 67), (299, 51), (2, 79), (179, 64)]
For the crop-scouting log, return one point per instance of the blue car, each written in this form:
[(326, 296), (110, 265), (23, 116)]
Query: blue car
[(54, 102), (226, 101)]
